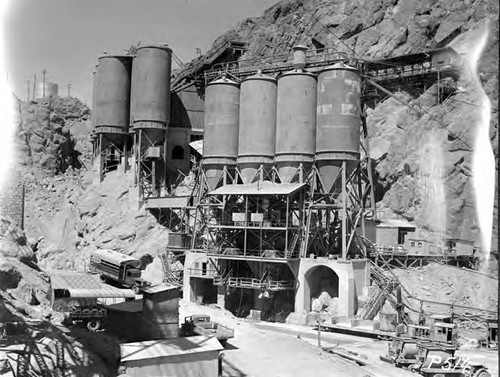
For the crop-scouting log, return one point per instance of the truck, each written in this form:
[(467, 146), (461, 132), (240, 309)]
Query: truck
[(201, 325), (119, 268)]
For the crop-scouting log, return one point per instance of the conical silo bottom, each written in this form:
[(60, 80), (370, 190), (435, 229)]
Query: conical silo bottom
[(330, 173), (213, 175), (289, 171), (249, 173), (254, 171)]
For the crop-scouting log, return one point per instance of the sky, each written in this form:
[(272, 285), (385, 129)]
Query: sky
[(66, 37)]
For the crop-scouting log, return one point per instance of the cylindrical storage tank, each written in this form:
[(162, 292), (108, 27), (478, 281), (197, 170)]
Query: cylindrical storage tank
[(338, 122), (220, 137), (112, 94), (257, 129), (46, 90), (295, 123), (150, 93), (93, 119), (299, 56)]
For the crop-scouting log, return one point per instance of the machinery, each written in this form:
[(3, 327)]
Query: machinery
[(201, 325), (402, 352), (117, 267), (438, 360)]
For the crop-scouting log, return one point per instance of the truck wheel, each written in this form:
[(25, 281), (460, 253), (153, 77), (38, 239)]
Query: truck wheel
[(93, 325), (482, 373), (136, 289)]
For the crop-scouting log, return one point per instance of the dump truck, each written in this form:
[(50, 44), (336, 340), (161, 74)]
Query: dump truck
[(119, 268), (201, 325)]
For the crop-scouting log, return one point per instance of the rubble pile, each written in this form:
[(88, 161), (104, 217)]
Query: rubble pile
[(448, 284), (26, 317)]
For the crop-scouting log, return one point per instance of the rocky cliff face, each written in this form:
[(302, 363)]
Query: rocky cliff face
[(44, 137), (423, 160)]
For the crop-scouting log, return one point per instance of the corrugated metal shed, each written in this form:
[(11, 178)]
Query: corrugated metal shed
[(259, 188), (83, 285), (152, 349)]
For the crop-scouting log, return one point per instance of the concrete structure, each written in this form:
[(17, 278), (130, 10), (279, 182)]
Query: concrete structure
[(178, 151), (46, 90), (188, 110), (190, 357)]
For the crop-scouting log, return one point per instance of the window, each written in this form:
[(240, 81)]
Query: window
[(420, 244), (178, 153), (412, 244)]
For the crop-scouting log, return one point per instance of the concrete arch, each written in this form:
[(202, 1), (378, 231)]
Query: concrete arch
[(344, 271), (319, 279)]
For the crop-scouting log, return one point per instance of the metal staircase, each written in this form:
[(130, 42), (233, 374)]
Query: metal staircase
[(384, 290), (170, 276)]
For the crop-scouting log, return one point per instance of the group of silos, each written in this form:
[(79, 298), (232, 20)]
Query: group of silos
[(292, 123), (131, 94)]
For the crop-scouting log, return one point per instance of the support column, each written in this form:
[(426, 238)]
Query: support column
[(165, 167), (221, 296), (101, 159), (344, 211), (124, 154)]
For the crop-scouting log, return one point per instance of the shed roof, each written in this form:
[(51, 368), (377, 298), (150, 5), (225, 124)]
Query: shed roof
[(259, 188), (168, 202), (152, 349), (84, 285), (160, 288), (395, 223), (197, 145), (113, 256)]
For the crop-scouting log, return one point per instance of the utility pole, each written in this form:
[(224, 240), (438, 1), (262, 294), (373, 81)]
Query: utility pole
[(28, 90), (44, 72), (69, 90), (34, 86)]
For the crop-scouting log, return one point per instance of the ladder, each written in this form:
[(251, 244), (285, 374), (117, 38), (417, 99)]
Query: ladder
[(293, 245)]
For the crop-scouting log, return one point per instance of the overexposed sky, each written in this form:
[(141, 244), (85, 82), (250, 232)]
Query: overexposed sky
[(66, 36)]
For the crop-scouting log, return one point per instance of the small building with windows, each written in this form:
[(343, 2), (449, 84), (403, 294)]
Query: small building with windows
[(416, 245), (393, 232)]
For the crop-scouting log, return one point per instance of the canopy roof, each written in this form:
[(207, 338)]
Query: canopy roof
[(259, 188)]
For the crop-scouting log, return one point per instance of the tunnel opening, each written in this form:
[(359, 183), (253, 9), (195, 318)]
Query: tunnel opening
[(203, 291), (321, 289)]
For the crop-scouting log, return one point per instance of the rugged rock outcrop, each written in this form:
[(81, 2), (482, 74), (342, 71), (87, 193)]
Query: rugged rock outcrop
[(44, 133)]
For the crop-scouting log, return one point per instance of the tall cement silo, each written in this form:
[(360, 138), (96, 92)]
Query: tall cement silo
[(338, 122), (257, 130), (220, 137), (150, 116)]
